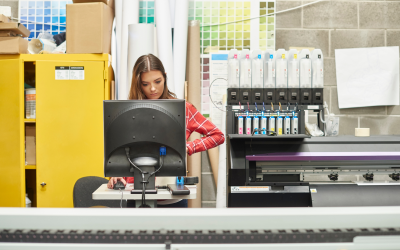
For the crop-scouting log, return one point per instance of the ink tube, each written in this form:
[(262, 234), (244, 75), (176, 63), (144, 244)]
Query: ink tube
[(240, 125), (248, 125)]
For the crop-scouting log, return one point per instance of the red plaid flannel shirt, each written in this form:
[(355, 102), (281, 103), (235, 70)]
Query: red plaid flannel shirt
[(196, 122)]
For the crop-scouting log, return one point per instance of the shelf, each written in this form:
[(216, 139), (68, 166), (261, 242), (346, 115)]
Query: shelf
[(267, 137), (30, 120), (30, 166)]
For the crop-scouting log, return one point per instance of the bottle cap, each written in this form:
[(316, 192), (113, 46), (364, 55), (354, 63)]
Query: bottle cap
[(271, 56), (259, 56), (235, 56), (247, 56)]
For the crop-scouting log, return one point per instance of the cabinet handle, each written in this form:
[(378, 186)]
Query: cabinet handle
[(43, 184)]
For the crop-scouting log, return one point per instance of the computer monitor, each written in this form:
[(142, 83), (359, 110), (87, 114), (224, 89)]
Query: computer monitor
[(140, 128)]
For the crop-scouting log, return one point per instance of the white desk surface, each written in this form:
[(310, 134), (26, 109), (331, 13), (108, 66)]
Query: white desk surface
[(103, 193)]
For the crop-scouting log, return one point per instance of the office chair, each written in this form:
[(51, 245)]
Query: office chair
[(83, 189)]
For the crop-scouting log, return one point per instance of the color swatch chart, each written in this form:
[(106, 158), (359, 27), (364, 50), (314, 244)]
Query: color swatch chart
[(146, 12), (43, 16), (257, 33), (236, 34)]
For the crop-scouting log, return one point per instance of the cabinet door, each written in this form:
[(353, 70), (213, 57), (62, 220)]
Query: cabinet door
[(69, 128), (12, 166)]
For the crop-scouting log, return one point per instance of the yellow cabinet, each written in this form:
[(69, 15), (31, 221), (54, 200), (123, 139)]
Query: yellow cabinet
[(69, 125)]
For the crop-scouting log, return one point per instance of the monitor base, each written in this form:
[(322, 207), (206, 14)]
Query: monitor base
[(139, 191)]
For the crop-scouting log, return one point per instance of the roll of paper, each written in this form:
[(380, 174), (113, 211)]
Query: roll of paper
[(155, 42), (222, 177), (362, 132), (118, 37), (214, 161), (164, 40), (172, 12), (114, 54), (180, 45), (193, 64), (140, 42), (194, 168), (130, 15), (194, 90)]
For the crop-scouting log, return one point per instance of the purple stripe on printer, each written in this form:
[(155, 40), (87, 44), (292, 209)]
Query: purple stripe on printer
[(326, 156)]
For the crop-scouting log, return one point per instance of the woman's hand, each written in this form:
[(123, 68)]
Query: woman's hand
[(114, 180)]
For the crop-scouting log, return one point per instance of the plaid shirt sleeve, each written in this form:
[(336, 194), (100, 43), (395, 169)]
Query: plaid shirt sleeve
[(196, 122)]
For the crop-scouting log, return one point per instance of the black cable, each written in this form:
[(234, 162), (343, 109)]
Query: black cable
[(161, 164), (122, 196), (144, 182)]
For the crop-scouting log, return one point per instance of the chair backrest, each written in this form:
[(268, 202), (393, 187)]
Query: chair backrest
[(83, 189)]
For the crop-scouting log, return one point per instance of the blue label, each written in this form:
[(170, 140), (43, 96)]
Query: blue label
[(259, 56), (219, 57), (271, 56)]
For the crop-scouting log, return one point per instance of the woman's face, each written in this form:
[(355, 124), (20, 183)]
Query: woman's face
[(152, 84)]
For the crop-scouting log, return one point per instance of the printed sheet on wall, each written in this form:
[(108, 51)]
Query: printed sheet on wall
[(43, 16), (239, 33)]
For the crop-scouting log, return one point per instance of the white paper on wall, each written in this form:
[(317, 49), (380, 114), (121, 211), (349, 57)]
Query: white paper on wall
[(218, 88), (367, 76)]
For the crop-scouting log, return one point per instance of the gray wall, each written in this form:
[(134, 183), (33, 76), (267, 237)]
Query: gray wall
[(13, 4)]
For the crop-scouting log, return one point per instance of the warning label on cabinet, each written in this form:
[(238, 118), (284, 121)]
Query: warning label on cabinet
[(70, 73), (76, 73), (62, 72)]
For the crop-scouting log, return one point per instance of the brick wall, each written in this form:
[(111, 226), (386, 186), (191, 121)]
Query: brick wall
[(331, 25), (13, 4)]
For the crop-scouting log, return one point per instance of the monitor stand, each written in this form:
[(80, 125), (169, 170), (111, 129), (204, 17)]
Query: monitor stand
[(138, 185)]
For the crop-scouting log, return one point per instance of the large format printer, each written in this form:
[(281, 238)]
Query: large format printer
[(296, 170), (168, 228)]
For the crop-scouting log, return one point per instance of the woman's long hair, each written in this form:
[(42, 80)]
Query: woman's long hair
[(143, 64)]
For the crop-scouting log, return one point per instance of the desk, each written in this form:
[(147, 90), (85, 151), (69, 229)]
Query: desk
[(103, 193)]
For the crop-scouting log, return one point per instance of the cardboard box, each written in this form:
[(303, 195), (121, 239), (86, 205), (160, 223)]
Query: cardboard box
[(17, 28), (13, 45), (89, 28), (30, 144), (7, 34), (108, 2), (4, 19)]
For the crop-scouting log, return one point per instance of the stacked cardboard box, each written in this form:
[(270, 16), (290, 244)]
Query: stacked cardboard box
[(30, 144), (89, 25), (11, 37), (4, 19)]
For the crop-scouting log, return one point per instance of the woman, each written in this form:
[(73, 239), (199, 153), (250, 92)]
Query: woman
[(149, 81)]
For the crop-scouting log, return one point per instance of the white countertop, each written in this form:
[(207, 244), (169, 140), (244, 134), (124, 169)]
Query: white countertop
[(103, 193)]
